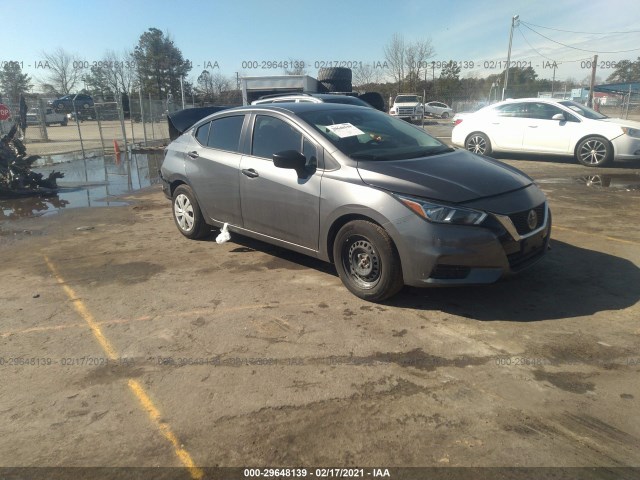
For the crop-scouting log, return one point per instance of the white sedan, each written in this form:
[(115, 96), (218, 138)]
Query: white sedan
[(546, 126), (438, 109)]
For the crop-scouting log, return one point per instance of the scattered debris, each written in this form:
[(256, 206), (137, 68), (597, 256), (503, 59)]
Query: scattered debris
[(16, 177)]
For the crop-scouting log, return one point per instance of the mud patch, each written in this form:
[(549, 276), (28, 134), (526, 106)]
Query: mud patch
[(110, 373), (122, 273), (567, 381)]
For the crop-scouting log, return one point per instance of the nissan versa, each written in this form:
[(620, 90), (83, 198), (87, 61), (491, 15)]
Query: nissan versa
[(383, 200)]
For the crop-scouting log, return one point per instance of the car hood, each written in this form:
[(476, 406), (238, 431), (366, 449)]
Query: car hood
[(622, 122), (459, 176)]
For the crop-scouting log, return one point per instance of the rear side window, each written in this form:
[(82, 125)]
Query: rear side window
[(225, 133), (202, 134)]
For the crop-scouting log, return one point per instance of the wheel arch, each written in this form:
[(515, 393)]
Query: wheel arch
[(594, 135), (342, 220)]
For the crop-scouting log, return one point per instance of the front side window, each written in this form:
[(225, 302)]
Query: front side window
[(272, 135), (224, 133)]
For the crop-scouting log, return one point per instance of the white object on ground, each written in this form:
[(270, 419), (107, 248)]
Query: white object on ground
[(224, 235)]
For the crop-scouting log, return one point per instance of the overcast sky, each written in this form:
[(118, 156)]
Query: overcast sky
[(238, 35)]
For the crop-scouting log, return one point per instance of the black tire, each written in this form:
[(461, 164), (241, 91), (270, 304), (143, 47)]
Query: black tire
[(336, 74), (478, 143), (64, 122), (187, 215), (445, 115), (367, 261), (594, 151), (336, 85), (374, 99)]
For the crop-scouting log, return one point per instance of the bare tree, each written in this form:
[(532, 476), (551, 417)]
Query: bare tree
[(211, 86), (394, 53), (416, 56), (366, 74), (64, 74), (407, 61), (114, 73)]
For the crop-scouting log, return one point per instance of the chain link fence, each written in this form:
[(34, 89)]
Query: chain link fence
[(136, 123)]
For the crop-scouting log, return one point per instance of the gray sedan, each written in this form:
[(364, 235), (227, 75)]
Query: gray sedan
[(384, 201)]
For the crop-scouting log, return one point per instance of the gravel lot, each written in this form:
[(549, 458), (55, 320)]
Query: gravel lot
[(123, 344)]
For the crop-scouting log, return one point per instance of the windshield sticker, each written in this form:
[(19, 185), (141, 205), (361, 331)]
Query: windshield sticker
[(344, 130)]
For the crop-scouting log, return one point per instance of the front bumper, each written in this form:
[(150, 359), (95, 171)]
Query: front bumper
[(439, 255), (626, 147)]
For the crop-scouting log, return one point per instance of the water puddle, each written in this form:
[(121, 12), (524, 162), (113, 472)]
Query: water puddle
[(622, 181), (91, 182)]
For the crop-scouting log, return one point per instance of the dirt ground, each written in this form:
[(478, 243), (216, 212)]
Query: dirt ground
[(122, 344)]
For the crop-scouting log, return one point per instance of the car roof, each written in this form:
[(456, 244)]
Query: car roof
[(290, 108)]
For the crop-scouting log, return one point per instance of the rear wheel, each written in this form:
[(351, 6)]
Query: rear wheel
[(478, 143), (445, 115), (594, 152), (367, 261), (187, 214)]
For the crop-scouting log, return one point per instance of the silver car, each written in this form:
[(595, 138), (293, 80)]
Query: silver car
[(384, 201)]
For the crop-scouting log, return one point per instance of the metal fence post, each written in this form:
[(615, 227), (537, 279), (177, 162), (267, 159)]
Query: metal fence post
[(144, 127), (121, 118), (43, 120), (153, 132), (99, 128), (75, 113)]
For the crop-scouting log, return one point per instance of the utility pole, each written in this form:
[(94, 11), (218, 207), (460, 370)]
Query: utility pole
[(506, 76), (593, 81), (553, 81)]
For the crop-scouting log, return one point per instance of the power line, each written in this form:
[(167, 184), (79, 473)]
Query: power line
[(574, 31), (549, 58), (576, 48)]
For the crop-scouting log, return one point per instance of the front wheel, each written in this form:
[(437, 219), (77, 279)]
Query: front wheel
[(478, 143), (367, 261), (594, 152), (187, 214)]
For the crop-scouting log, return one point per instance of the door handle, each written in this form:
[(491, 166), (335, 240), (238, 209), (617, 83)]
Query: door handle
[(193, 154), (251, 173), (533, 126)]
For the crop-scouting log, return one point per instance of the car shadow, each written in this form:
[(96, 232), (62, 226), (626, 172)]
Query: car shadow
[(569, 282)]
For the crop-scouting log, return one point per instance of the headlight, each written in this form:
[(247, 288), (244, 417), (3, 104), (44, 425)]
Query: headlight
[(632, 132), (438, 213)]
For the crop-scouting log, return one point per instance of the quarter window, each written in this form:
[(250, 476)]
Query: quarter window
[(202, 134)]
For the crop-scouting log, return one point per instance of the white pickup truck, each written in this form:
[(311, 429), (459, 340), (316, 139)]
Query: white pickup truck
[(408, 106), (50, 117)]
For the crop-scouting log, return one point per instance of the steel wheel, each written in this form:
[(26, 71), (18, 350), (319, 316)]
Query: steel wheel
[(362, 262), (367, 261), (478, 143), (187, 215), (593, 151)]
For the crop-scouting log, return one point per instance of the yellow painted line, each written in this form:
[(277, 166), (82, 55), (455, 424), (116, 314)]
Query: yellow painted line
[(567, 229), (134, 386), (154, 414)]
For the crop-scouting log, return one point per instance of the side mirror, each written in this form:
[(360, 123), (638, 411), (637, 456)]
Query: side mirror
[(292, 159), (559, 116)]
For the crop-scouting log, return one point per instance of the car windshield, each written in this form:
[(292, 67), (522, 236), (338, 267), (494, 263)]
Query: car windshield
[(582, 110), (406, 98), (372, 135)]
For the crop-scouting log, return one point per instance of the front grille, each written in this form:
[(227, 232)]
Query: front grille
[(520, 219), (405, 111), (521, 259), (450, 272)]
